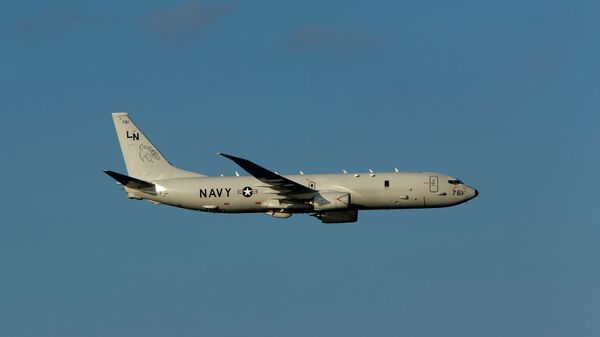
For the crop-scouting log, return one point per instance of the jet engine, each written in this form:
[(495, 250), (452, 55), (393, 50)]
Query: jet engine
[(325, 201)]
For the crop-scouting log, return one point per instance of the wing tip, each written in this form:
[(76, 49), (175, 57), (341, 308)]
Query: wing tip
[(228, 156)]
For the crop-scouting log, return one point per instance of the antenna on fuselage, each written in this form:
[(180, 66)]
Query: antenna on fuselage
[(396, 169), (237, 174), (301, 172), (345, 172), (371, 173)]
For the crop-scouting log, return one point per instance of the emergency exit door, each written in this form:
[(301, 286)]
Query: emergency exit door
[(433, 184)]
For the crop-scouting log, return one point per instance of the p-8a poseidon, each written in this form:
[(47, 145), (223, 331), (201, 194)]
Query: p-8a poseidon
[(333, 198)]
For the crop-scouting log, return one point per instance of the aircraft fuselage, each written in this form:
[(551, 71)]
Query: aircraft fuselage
[(333, 198), (244, 194)]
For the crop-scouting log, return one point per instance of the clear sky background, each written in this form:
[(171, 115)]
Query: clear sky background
[(502, 94)]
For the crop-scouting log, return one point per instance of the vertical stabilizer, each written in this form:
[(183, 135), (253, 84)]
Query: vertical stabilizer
[(142, 158)]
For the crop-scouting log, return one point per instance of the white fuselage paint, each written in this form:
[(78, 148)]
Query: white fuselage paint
[(367, 190), (333, 198)]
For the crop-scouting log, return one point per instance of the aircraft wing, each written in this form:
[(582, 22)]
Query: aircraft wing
[(281, 184)]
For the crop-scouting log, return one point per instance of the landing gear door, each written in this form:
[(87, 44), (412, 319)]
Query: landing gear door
[(433, 184)]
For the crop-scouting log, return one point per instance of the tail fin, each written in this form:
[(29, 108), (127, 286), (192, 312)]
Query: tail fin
[(142, 158)]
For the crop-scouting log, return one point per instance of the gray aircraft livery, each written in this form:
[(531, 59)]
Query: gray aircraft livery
[(332, 198)]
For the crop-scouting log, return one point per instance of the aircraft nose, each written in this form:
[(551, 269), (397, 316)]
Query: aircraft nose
[(476, 193)]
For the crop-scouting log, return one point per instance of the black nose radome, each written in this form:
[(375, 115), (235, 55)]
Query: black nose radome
[(476, 192)]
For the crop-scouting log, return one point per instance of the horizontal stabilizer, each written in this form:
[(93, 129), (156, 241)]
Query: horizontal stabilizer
[(130, 182)]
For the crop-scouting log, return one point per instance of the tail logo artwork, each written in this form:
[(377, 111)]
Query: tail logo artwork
[(148, 153)]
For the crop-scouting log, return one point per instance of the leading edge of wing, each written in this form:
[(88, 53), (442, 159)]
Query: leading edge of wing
[(282, 184)]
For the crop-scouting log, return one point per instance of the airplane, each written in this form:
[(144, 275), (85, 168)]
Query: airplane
[(332, 198)]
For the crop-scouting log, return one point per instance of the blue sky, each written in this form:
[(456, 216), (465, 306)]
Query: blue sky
[(503, 95)]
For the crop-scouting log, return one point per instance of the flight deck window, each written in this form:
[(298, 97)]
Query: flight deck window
[(386, 184), (455, 182)]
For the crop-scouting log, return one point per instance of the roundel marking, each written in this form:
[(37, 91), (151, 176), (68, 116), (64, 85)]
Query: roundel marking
[(247, 191)]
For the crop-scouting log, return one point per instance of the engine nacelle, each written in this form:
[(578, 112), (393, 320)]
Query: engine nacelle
[(325, 201), (338, 216)]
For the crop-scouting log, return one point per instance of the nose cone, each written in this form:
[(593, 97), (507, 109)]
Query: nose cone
[(472, 194)]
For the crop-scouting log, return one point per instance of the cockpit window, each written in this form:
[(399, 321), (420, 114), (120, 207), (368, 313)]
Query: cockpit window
[(454, 182)]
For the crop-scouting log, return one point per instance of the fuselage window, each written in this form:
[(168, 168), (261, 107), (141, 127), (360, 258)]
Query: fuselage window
[(386, 184)]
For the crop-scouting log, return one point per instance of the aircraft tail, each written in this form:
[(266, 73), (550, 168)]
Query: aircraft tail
[(142, 159)]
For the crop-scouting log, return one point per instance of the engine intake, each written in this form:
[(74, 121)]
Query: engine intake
[(325, 201)]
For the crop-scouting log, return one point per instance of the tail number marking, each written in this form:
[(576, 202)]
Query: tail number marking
[(133, 135)]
